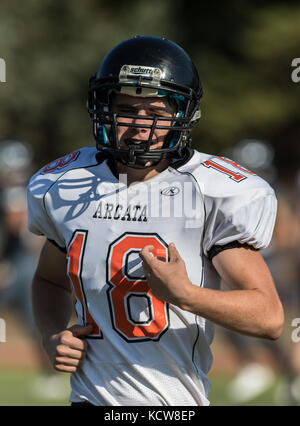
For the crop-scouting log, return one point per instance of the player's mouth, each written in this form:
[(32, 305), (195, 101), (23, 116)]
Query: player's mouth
[(139, 143)]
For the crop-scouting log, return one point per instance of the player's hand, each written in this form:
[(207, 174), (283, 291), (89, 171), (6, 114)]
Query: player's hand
[(67, 349), (168, 280)]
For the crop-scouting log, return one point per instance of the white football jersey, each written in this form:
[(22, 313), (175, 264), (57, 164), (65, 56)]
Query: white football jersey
[(144, 351)]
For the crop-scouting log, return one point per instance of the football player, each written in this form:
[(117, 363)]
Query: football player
[(142, 228)]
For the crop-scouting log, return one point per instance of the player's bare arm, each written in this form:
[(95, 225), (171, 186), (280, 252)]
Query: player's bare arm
[(51, 293), (252, 307)]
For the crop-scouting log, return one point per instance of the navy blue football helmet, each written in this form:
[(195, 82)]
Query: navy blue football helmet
[(145, 66)]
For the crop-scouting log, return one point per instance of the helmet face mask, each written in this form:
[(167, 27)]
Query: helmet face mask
[(145, 67)]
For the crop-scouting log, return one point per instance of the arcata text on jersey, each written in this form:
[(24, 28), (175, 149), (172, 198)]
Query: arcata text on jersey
[(120, 212)]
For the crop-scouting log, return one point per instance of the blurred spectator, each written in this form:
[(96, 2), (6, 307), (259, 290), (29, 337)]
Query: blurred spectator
[(19, 257), (283, 258), (15, 162), (19, 251)]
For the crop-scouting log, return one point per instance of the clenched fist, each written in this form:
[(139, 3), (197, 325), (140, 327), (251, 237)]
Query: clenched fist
[(67, 349), (168, 280)]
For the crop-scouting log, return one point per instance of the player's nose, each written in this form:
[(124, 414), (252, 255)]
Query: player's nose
[(143, 121)]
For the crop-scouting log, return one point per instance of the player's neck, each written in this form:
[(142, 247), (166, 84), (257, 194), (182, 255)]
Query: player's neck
[(140, 175)]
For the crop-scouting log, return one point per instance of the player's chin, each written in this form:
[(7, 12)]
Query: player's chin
[(149, 164)]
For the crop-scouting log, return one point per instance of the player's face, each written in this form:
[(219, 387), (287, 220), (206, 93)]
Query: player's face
[(150, 106)]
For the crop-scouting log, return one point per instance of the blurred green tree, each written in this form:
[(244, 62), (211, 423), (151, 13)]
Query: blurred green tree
[(243, 52)]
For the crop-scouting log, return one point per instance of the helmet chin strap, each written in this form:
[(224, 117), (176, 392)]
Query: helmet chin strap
[(140, 161), (133, 160)]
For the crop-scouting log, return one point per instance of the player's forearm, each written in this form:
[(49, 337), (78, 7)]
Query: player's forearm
[(245, 311), (52, 306)]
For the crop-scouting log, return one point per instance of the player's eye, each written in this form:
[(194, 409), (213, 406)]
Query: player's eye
[(127, 111), (163, 113), (160, 113)]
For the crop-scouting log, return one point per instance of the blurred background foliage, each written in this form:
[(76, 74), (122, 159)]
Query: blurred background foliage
[(242, 49)]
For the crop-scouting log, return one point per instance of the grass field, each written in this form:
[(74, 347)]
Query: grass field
[(17, 388), (20, 380)]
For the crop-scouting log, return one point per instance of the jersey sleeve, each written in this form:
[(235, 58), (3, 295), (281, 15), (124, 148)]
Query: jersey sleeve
[(39, 222), (240, 207), (42, 193), (247, 217)]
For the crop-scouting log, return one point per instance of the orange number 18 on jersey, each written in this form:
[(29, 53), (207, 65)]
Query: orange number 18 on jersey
[(136, 314)]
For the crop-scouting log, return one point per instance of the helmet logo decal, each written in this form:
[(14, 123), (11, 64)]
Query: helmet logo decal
[(128, 72)]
